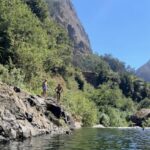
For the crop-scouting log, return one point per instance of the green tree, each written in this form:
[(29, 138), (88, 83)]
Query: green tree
[(39, 8)]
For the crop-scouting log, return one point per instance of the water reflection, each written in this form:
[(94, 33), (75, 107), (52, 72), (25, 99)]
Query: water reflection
[(87, 139)]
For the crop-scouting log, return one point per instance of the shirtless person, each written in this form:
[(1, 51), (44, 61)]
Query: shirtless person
[(58, 90)]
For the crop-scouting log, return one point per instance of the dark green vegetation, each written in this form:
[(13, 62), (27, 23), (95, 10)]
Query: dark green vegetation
[(97, 89)]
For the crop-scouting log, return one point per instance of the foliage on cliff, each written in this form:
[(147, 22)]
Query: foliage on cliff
[(34, 47), (118, 92)]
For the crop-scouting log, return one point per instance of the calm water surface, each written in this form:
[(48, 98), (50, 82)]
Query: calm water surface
[(87, 139)]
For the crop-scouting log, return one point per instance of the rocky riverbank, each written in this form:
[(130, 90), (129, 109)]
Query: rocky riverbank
[(23, 115)]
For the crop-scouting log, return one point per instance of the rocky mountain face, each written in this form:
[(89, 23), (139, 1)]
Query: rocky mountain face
[(144, 72), (64, 13), (23, 115)]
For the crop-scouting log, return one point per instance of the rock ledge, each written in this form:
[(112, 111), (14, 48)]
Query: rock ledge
[(23, 115)]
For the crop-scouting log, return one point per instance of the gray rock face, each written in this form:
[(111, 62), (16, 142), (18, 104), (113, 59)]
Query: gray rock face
[(23, 115), (140, 116), (144, 72), (64, 13)]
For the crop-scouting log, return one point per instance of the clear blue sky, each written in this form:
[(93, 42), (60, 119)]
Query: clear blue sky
[(117, 27)]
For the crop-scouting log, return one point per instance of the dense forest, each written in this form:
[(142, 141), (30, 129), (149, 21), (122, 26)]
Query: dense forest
[(33, 47)]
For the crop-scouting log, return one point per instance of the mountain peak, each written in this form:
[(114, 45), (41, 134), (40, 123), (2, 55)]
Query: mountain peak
[(144, 71), (64, 13)]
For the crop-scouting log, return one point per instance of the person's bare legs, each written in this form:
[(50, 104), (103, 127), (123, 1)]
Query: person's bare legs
[(44, 94), (58, 97)]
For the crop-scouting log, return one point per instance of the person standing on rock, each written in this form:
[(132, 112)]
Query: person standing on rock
[(44, 88), (58, 91)]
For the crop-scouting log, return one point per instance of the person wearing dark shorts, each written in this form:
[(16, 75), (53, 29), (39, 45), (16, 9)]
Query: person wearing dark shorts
[(44, 88), (58, 91)]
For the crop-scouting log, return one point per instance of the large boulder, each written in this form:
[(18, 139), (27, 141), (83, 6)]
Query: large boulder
[(140, 116), (23, 115)]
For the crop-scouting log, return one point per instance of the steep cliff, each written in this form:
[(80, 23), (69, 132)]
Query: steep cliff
[(144, 71), (64, 13), (23, 115)]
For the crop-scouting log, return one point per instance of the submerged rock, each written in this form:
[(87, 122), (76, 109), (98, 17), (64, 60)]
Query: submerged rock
[(23, 115)]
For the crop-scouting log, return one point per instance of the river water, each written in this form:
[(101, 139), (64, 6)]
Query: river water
[(87, 139)]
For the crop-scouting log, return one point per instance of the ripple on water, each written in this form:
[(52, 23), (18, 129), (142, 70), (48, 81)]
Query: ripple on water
[(87, 139)]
